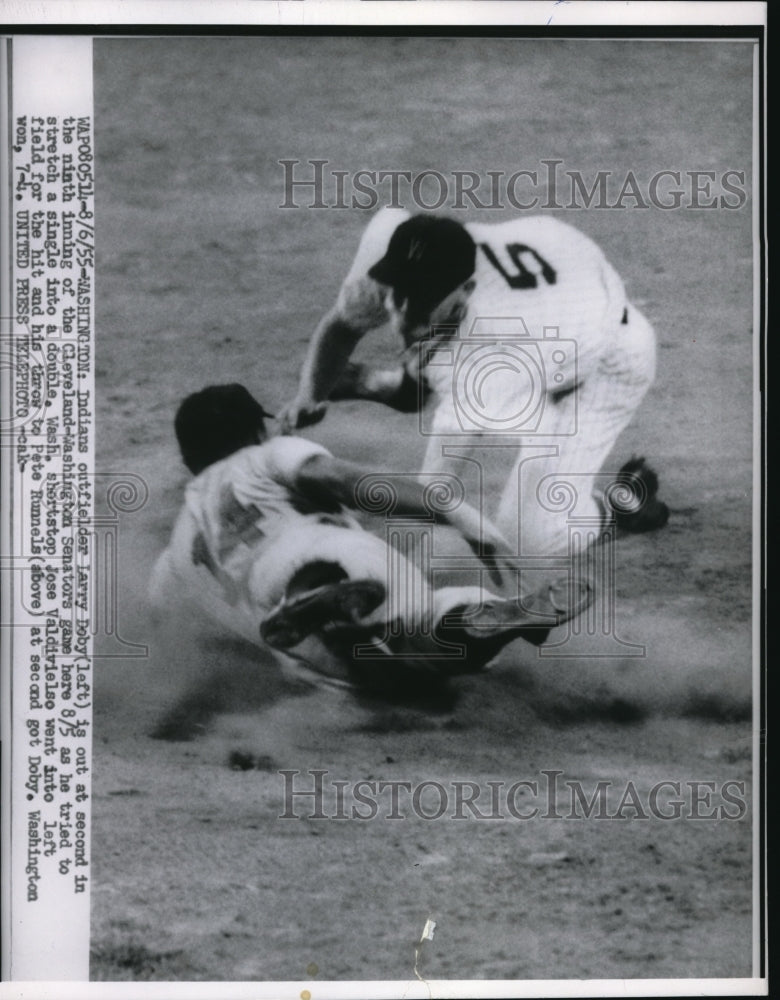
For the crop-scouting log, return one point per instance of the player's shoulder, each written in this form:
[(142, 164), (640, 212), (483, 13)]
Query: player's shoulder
[(387, 220), (284, 456), (254, 469), (289, 444), (547, 230), (361, 299), (252, 462), (377, 233)]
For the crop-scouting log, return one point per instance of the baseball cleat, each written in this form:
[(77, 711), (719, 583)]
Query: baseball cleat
[(643, 511), (531, 617), (342, 603)]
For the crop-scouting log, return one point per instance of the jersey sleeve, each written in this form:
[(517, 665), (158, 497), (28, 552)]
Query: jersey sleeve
[(285, 457), (361, 300)]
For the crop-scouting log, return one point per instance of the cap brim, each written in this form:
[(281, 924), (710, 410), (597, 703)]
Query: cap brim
[(383, 272)]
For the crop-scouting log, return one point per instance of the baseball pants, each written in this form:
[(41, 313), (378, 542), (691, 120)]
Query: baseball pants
[(552, 473)]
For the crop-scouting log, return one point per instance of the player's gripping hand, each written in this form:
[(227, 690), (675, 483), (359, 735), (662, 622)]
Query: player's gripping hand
[(484, 540), (300, 413)]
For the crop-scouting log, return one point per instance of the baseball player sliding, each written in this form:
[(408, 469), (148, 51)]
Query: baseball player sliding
[(267, 546), (522, 335)]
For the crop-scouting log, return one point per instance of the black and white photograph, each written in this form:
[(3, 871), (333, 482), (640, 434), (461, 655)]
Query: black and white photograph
[(427, 550)]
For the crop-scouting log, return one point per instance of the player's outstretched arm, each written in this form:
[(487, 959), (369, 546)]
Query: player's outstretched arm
[(394, 387), (360, 307), (330, 347)]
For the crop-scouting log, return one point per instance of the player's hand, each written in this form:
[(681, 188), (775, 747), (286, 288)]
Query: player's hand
[(300, 413)]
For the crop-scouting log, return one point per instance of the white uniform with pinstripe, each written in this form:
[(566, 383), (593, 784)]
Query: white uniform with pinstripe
[(548, 366)]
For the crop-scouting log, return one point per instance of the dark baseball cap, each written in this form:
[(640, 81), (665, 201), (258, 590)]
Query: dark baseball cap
[(216, 422), (427, 258)]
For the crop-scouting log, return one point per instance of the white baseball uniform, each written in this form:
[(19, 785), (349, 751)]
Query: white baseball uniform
[(244, 530), (548, 366)]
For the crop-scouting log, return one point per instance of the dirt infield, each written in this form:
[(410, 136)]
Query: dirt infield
[(203, 278)]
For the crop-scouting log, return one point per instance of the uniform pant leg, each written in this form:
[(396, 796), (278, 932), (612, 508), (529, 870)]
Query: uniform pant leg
[(553, 477), (361, 555)]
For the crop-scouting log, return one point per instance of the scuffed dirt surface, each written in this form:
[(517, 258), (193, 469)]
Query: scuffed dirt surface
[(202, 278)]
